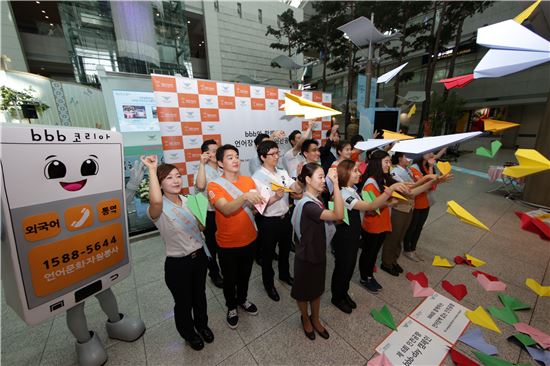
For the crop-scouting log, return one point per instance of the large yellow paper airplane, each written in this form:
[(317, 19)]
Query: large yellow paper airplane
[(300, 107), (527, 12), (395, 194), (275, 186), (480, 317), (494, 125), (456, 210), (391, 135), (537, 287), (444, 167), (441, 262), (530, 162), (475, 261), (412, 111)]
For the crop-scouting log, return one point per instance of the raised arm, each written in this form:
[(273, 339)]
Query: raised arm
[(338, 213), (200, 184), (305, 136), (155, 194)]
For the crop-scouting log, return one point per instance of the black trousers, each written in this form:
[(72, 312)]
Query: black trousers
[(371, 246), (186, 280), (211, 243), (273, 230), (345, 258), (415, 228), (236, 266)]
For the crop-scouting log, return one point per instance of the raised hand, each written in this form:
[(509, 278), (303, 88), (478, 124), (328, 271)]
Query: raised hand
[(253, 197), (150, 161), (333, 176), (205, 156), (401, 187)]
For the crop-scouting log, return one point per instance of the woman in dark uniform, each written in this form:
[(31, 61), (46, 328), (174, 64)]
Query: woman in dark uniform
[(309, 220)]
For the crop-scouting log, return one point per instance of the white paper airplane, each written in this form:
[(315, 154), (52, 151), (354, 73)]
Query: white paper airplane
[(372, 144), (432, 143), (361, 30), (298, 106), (390, 74)]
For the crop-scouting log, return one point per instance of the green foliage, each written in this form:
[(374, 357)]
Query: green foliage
[(445, 112), (289, 35), (12, 100)]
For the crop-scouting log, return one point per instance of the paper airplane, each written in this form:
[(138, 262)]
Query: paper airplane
[(419, 277), (456, 210), (384, 316), (412, 111), (441, 262), (276, 186), (266, 195), (505, 314), (419, 291), (431, 143), (512, 302), (539, 355), (198, 205), (489, 285), (331, 207), (457, 81), (474, 338), (527, 12), (534, 225), (369, 196), (522, 340), (380, 360), (397, 195), (460, 360), (487, 360), (495, 147), (493, 125), (361, 31), (458, 291), (475, 261), (530, 162), (490, 277), (395, 136), (537, 287), (286, 63), (372, 144), (480, 317), (444, 167), (413, 96), (298, 106), (390, 74), (539, 336)]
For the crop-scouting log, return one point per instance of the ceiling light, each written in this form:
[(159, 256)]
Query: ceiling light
[(47, 17), (158, 14), (188, 22), (44, 11), (41, 67), (38, 2), (51, 24)]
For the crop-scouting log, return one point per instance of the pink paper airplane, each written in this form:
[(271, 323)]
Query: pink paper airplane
[(419, 291), (538, 336), (380, 360), (489, 285), (265, 192)]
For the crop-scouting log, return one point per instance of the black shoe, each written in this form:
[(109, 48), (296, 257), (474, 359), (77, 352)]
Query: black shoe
[(352, 304), (310, 335), (342, 305), (289, 280), (217, 281), (391, 270), (378, 286), (195, 342), (232, 318), (249, 307), (398, 267), (369, 285), (324, 334), (273, 294), (206, 334)]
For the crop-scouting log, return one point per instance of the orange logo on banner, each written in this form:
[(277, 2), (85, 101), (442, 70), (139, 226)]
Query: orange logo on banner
[(190, 180), (207, 87), (327, 104), (188, 100), (304, 125), (185, 191), (217, 138), (258, 104), (326, 125), (323, 142), (209, 115), (316, 135), (41, 226), (79, 217), (191, 128), (271, 93), (58, 265), (226, 102), (181, 167), (281, 103), (108, 210), (168, 114), (317, 97), (242, 90), (164, 84), (296, 92), (192, 154), (172, 142)]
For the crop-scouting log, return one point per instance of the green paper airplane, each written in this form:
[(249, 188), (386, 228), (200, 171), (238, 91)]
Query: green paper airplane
[(198, 205), (512, 302), (525, 339), (487, 360), (331, 207), (369, 196), (505, 314), (495, 147), (384, 316)]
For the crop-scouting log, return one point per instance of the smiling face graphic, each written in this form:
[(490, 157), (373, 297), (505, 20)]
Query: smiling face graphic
[(56, 169)]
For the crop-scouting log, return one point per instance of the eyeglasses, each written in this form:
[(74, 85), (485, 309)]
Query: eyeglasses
[(274, 154)]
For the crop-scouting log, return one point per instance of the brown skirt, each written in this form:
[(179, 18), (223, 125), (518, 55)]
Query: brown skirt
[(309, 280)]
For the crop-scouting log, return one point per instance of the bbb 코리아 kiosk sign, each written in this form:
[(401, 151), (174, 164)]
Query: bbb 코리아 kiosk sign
[(64, 228)]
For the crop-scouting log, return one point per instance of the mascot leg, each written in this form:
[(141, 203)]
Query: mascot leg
[(89, 349), (119, 326)]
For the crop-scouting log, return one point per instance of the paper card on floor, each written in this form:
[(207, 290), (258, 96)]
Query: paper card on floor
[(414, 344), (443, 316)]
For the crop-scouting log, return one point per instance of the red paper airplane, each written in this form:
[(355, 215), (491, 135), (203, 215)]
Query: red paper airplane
[(458, 291), (460, 360), (461, 260), (534, 225), (419, 277), (489, 277), (458, 81)]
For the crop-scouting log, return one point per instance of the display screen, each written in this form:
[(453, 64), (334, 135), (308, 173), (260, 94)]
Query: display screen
[(136, 111)]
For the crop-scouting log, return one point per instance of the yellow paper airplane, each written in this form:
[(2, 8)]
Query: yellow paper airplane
[(493, 125), (444, 167), (397, 195), (527, 12), (480, 317), (530, 162), (456, 210), (412, 111), (297, 106), (275, 186), (537, 287), (392, 135), (475, 261), (441, 262)]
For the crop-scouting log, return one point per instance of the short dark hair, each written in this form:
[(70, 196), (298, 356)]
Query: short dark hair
[(264, 147), (292, 135), (355, 139), (206, 144), (306, 143), (307, 171), (341, 146), (163, 170), (222, 149), (260, 138), (395, 157)]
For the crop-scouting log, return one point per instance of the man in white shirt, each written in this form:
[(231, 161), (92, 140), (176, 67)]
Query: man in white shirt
[(292, 157), (274, 224)]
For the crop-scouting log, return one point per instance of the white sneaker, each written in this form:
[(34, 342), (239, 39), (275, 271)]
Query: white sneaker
[(418, 258), (410, 256)]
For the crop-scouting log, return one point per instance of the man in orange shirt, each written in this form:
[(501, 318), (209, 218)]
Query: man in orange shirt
[(233, 196)]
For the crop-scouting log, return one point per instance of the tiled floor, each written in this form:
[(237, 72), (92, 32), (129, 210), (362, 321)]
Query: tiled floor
[(275, 335)]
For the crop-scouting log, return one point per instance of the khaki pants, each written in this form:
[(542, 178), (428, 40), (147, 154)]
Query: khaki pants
[(391, 249)]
